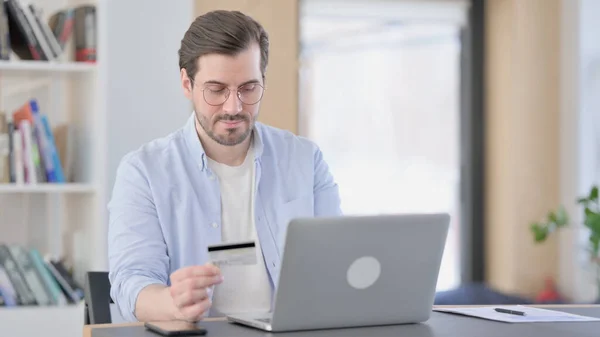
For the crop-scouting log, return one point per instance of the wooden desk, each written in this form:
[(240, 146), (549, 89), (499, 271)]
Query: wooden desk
[(594, 326), (87, 329)]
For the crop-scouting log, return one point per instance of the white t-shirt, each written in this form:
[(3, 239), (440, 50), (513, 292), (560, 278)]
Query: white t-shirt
[(244, 288)]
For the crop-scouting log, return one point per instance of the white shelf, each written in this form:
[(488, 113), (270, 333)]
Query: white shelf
[(47, 188), (49, 321), (20, 66)]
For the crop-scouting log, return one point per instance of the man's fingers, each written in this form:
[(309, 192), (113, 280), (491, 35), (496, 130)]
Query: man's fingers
[(204, 282), (213, 268), (190, 298), (195, 312), (192, 284), (194, 271)]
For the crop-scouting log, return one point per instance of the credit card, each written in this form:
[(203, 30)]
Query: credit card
[(233, 253)]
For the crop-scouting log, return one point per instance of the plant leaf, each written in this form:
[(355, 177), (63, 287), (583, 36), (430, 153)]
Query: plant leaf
[(595, 241), (562, 218), (593, 223), (583, 201), (540, 233), (552, 217), (594, 194), (588, 212)]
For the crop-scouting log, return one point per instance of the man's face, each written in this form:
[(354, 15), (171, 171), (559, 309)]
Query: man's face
[(226, 118)]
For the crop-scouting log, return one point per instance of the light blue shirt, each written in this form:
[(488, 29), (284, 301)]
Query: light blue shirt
[(166, 206)]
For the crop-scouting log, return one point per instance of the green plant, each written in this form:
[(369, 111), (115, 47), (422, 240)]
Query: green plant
[(559, 218)]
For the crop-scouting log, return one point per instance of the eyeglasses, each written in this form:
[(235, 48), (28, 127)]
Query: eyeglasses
[(215, 94)]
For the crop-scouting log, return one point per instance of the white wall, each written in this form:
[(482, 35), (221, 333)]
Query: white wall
[(144, 97)]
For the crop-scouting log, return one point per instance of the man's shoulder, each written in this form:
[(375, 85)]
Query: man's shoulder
[(155, 150), (277, 139)]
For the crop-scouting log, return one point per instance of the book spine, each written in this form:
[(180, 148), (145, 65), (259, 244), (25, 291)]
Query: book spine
[(4, 149), (31, 276), (63, 280), (45, 153), (24, 294), (37, 33), (53, 152), (38, 165), (18, 156), (8, 290), (38, 162), (11, 152), (21, 22), (45, 29), (58, 297), (28, 155), (4, 34), (4, 160)]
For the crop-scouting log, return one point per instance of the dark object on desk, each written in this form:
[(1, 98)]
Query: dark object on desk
[(97, 298), (439, 325), (510, 312), (175, 328)]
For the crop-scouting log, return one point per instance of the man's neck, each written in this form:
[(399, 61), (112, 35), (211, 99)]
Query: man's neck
[(228, 155)]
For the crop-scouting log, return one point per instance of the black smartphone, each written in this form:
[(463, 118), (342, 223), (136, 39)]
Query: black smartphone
[(175, 328)]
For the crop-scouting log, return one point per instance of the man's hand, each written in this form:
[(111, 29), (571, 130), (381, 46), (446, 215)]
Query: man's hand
[(190, 290)]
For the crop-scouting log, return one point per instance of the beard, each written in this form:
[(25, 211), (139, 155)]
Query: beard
[(231, 136)]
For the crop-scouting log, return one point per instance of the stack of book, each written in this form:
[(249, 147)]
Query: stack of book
[(27, 279), (24, 31), (28, 149)]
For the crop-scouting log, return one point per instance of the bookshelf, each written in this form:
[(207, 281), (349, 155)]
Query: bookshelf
[(17, 67), (47, 188), (132, 94), (60, 219), (47, 321)]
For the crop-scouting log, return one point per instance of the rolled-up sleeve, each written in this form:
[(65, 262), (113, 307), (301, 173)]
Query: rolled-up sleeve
[(326, 191), (137, 253)]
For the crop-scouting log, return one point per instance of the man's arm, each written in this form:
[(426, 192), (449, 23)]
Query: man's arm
[(138, 260), (325, 189)]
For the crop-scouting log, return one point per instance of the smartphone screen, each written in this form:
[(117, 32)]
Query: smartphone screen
[(175, 328)]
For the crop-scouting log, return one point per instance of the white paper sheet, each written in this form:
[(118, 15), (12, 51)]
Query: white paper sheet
[(531, 314)]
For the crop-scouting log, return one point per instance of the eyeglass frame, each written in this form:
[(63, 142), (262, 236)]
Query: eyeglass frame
[(229, 93)]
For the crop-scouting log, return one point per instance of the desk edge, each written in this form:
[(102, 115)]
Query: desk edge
[(87, 329)]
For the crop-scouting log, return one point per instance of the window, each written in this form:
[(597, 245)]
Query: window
[(380, 94)]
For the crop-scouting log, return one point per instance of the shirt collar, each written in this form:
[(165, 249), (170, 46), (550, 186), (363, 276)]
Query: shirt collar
[(197, 151)]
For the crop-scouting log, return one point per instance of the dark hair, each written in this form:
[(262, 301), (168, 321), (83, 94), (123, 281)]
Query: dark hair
[(221, 32)]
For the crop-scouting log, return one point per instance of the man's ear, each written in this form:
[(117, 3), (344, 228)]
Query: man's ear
[(186, 83)]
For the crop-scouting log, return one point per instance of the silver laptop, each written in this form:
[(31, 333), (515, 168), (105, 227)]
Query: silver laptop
[(356, 271)]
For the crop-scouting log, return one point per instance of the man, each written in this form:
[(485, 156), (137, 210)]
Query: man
[(223, 177)]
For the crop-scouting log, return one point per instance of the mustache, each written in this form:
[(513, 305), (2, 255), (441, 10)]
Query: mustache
[(227, 117)]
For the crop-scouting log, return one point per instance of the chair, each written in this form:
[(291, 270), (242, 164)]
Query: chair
[(97, 298)]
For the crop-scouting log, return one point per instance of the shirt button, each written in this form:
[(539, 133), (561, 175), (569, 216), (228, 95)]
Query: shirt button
[(215, 225), (211, 177)]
